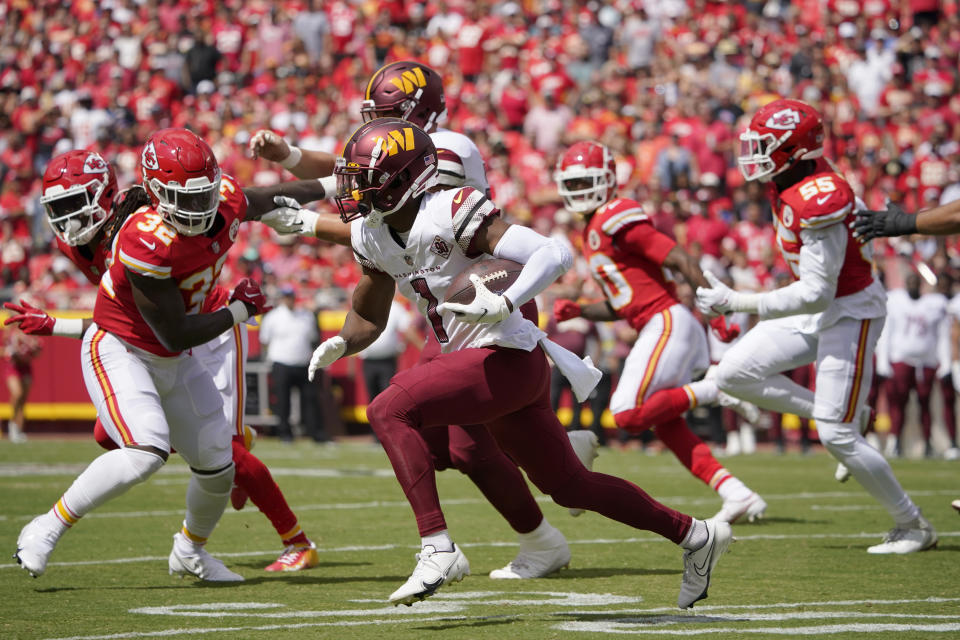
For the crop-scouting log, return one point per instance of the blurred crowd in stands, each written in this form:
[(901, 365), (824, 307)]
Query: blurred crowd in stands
[(665, 83)]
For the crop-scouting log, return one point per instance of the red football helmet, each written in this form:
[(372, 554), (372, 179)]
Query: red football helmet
[(779, 135), (385, 162), (78, 192), (586, 176), (182, 178), (407, 90)]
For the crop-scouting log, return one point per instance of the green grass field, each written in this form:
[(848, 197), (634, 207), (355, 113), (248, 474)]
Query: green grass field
[(803, 571)]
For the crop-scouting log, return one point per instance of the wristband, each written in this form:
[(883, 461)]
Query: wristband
[(239, 312), (747, 302), (68, 327), (329, 185), (293, 159)]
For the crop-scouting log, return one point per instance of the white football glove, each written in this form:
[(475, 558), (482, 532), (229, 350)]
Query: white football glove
[(487, 307), (326, 354), (288, 217), (717, 300)]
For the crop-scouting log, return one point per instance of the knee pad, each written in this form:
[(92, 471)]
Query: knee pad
[(838, 437), (730, 374), (141, 464), (218, 482)]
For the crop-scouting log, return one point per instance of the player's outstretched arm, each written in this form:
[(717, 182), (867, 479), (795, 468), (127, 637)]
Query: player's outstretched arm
[(682, 262), (260, 200), (288, 217), (601, 311), (161, 304), (37, 322), (303, 163), (365, 321), (894, 221)]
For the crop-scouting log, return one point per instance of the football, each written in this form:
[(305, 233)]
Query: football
[(497, 275)]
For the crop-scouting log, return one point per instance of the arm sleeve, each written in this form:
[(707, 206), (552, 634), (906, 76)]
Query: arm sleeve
[(544, 260), (821, 258), (644, 239)]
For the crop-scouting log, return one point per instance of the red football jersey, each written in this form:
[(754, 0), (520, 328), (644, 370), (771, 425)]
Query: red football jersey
[(93, 263), (148, 246), (818, 201), (626, 253)]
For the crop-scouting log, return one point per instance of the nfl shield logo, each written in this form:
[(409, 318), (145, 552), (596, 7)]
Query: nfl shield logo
[(408, 260), (440, 247)]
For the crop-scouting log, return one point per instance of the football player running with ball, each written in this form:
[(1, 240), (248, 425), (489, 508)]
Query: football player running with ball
[(414, 92), (151, 307), (630, 260), (492, 369), (832, 314)]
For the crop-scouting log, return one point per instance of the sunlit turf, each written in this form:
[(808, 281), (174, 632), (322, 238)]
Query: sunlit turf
[(108, 577)]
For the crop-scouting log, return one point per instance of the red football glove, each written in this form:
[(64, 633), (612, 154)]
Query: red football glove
[(565, 309), (248, 292), (32, 321), (722, 331)]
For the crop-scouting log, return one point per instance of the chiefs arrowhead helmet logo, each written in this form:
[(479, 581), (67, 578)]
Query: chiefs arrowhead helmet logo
[(94, 164), (149, 158), (785, 120)]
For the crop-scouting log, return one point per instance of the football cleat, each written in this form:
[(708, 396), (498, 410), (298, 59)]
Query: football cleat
[(753, 507), (34, 546), (296, 559), (916, 536), (747, 410), (842, 474), (238, 497), (585, 445), (537, 562), (434, 569), (198, 563), (956, 505), (698, 565)]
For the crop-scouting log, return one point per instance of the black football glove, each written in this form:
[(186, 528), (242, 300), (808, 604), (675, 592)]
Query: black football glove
[(878, 224)]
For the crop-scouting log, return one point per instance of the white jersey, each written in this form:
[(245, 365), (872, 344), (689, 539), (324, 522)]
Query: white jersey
[(435, 251), (469, 172), (913, 327)]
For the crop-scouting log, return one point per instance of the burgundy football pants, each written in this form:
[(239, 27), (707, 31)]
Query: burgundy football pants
[(905, 378), (508, 391)]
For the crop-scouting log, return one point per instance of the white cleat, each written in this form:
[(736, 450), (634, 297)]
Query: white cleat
[(699, 564), (434, 569), (753, 507), (956, 505), (198, 563), (34, 546), (916, 536), (585, 445), (747, 410), (539, 562), (842, 474)]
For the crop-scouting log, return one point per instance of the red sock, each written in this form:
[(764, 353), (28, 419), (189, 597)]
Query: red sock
[(253, 477), (661, 407), (691, 452)]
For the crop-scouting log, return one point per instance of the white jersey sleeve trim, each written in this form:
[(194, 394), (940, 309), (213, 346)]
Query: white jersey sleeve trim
[(468, 217), (622, 219), (821, 259), (144, 268), (827, 219)]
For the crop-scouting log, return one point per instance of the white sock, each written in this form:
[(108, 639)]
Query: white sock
[(440, 541), (542, 536), (696, 537), (705, 391), (733, 489), (207, 497)]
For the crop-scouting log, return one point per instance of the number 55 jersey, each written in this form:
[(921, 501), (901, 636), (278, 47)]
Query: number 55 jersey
[(812, 218), (149, 247)]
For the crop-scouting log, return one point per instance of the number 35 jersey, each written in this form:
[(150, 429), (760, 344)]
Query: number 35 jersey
[(626, 253), (149, 247)]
